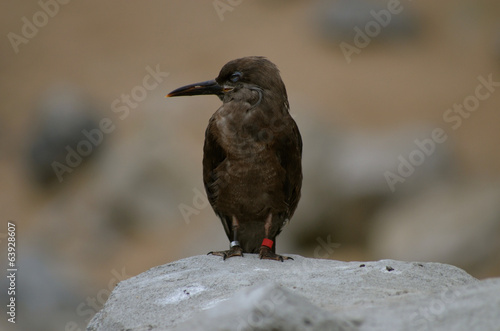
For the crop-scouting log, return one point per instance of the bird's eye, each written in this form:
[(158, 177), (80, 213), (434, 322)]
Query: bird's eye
[(235, 76)]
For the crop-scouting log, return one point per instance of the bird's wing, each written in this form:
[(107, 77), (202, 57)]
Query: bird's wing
[(213, 155), (289, 152)]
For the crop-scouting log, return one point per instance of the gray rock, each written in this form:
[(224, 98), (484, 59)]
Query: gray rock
[(267, 307), (207, 293)]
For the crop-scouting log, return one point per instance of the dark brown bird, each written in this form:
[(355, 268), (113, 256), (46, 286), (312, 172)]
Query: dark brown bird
[(252, 155)]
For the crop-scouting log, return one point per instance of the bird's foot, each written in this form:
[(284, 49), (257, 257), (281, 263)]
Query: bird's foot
[(234, 251), (267, 254)]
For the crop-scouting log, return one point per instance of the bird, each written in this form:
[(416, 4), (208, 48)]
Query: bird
[(252, 155)]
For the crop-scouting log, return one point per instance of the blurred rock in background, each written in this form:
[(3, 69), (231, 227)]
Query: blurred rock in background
[(43, 289), (62, 116), (385, 21), (344, 183), (451, 222)]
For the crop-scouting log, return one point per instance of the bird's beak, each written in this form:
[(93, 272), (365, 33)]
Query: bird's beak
[(208, 87)]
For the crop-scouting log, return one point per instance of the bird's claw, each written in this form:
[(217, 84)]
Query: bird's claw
[(267, 254), (234, 251)]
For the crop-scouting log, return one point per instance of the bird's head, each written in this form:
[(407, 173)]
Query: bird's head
[(254, 72)]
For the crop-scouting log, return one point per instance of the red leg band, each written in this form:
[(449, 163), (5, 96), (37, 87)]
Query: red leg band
[(267, 242)]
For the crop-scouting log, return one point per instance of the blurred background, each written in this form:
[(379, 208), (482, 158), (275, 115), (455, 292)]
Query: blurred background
[(102, 174)]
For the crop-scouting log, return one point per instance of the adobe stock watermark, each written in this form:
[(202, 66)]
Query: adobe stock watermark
[(372, 29), (120, 106), (423, 318), (453, 116), (11, 271), (223, 6), (324, 249), (199, 202), (262, 310), (31, 27), (88, 308)]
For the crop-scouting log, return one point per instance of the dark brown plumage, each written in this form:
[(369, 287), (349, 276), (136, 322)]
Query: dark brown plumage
[(252, 155)]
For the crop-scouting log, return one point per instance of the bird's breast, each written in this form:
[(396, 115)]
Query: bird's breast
[(250, 184), (241, 131)]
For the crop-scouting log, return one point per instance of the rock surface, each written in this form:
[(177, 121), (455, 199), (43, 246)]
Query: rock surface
[(207, 293)]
